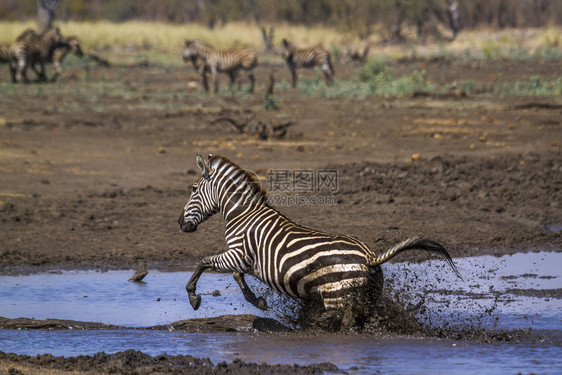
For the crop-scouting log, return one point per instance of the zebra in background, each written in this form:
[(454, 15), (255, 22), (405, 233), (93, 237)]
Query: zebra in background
[(304, 263), (201, 68), (33, 50), (306, 58), (206, 58), (4, 53), (70, 44), (30, 34)]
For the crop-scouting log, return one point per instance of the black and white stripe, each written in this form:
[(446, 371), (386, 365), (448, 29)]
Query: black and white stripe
[(290, 258), (306, 58), (206, 58), (31, 50), (4, 53), (18, 55)]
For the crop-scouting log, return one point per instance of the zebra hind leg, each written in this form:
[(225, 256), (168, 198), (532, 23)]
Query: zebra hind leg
[(259, 302), (13, 71), (350, 312), (328, 74), (313, 315)]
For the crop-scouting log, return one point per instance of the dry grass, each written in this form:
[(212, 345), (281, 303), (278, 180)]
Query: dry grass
[(168, 37), (136, 35)]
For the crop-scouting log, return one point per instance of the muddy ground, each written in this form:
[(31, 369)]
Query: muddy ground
[(95, 169)]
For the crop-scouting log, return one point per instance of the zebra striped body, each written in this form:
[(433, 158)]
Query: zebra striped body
[(4, 53), (28, 35), (18, 55), (32, 50), (307, 58), (205, 58), (290, 258)]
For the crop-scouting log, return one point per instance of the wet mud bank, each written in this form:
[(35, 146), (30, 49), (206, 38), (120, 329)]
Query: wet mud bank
[(136, 362)]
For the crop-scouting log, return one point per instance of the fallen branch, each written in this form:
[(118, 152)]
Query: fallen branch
[(251, 125)]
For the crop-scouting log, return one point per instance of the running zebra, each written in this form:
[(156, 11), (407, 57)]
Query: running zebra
[(33, 50), (292, 259), (206, 58), (307, 58)]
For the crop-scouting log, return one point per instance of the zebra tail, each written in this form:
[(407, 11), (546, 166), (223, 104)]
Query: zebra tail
[(419, 244)]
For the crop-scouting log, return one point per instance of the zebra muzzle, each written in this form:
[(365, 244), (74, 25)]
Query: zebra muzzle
[(186, 226)]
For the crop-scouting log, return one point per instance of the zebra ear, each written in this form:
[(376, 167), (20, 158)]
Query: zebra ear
[(203, 166)]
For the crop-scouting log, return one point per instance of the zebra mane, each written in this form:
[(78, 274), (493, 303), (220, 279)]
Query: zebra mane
[(250, 177), (198, 43), (287, 44)]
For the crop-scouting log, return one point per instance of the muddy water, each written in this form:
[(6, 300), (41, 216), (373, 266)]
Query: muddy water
[(512, 292)]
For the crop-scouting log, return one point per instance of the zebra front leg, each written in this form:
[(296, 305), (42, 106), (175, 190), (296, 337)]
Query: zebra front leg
[(252, 81), (294, 76), (205, 81), (195, 300), (229, 261), (39, 72), (215, 78), (58, 71), (259, 302), (232, 75)]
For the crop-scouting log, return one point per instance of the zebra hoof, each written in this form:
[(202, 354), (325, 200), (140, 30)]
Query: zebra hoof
[(195, 301), (261, 304)]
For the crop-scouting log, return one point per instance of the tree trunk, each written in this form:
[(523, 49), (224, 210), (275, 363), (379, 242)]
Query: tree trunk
[(45, 14), (267, 38)]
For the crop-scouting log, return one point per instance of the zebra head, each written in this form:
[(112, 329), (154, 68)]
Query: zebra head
[(286, 48), (190, 51), (74, 44), (201, 204)]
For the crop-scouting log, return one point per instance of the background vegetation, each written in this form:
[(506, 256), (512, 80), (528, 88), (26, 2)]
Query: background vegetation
[(361, 17), (151, 33)]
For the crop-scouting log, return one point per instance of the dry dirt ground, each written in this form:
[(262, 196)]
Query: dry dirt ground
[(95, 175), (98, 180)]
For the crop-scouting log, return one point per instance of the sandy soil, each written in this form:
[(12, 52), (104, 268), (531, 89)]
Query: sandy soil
[(98, 181)]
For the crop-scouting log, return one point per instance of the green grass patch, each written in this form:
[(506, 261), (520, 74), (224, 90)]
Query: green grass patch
[(376, 78), (534, 86)]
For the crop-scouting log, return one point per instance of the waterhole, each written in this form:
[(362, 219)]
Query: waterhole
[(514, 292)]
